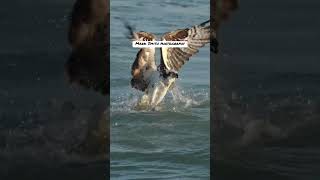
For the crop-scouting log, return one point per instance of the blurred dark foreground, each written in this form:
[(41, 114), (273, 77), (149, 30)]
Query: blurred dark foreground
[(53, 101), (267, 93)]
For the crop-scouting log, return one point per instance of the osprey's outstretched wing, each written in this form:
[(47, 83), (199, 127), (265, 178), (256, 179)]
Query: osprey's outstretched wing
[(144, 63), (173, 59)]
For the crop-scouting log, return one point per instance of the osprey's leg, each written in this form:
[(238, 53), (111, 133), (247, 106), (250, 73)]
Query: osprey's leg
[(157, 94), (159, 91)]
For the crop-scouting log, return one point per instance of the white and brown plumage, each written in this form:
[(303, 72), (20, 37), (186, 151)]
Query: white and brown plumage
[(156, 81)]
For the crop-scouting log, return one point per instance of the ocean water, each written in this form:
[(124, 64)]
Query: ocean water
[(172, 143), (43, 120), (269, 84)]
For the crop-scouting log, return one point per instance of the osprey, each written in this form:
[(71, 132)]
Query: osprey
[(156, 81)]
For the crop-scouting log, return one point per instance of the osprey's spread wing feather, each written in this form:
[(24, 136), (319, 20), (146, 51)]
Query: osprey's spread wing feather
[(197, 36), (144, 64)]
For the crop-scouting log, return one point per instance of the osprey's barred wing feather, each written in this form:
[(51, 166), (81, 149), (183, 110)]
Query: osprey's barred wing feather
[(197, 36)]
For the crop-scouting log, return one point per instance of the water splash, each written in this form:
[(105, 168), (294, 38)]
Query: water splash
[(176, 100)]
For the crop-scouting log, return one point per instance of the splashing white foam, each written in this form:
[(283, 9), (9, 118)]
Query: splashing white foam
[(176, 100)]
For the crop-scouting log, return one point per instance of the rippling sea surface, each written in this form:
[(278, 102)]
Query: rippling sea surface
[(172, 143), (269, 82)]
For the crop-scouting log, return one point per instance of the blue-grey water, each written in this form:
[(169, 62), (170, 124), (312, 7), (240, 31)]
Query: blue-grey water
[(172, 143), (269, 81)]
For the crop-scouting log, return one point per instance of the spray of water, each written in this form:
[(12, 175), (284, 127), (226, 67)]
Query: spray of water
[(176, 100)]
